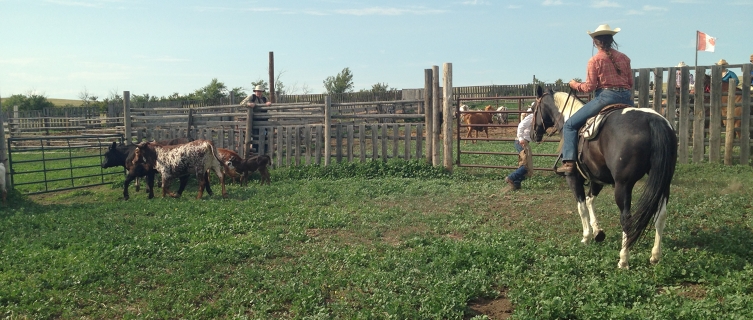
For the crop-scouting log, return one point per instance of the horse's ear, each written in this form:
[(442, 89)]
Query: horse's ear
[(114, 144), (539, 91)]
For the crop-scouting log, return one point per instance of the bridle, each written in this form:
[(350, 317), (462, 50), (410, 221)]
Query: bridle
[(537, 115)]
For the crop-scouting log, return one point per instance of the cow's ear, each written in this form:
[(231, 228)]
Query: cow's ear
[(114, 144)]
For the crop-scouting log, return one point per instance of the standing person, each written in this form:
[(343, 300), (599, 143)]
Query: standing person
[(727, 74), (525, 162), (257, 99), (678, 79), (608, 74)]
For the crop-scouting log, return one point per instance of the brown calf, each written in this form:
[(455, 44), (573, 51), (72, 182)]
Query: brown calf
[(478, 118), (245, 167)]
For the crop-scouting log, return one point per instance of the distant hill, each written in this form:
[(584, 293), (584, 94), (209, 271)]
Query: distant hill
[(58, 102), (62, 102)]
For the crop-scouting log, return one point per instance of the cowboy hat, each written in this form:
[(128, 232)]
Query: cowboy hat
[(603, 29), (722, 62), (529, 110), (259, 88), (682, 64)]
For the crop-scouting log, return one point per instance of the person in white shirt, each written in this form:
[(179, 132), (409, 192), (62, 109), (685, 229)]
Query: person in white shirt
[(525, 163)]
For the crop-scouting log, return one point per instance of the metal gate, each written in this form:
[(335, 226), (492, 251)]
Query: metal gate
[(56, 163), (501, 159)]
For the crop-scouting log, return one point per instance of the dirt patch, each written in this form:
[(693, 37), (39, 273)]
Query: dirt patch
[(495, 309)]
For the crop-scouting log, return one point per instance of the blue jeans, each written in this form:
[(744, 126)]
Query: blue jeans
[(518, 176), (518, 147), (603, 98)]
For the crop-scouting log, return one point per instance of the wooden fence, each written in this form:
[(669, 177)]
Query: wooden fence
[(294, 133), (699, 125)]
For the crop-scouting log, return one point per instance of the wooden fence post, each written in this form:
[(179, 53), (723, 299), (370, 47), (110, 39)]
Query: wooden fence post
[(327, 129), (658, 82), (249, 129), (643, 76), (4, 153), (436, 110), (190, 122), (127, 116), (745, 121), (428, 115), (684, 110), (699, 117), (715, 115), (729, 136), (447, 132)]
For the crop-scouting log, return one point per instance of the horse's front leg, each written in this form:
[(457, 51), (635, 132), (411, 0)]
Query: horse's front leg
[(599, 234), (661, 220), (576, 185)]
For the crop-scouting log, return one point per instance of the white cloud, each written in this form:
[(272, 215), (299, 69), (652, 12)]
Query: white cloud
[(380, 11), (633, 12), (474, 2), (552, 3), (653, 8), (514, 6), (227, 9), (18, 61), (87, 4), (687, 1), (604, 4)]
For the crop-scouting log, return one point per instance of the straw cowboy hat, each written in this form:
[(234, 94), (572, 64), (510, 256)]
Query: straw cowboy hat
[(603, 29), (259, 88), (682, 64), (722, 62)]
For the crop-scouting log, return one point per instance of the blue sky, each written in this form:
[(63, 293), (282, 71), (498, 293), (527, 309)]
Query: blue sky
[(61, 48)]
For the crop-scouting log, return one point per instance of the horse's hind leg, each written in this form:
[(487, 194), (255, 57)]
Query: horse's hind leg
[(599, 234), (623, 194), (661, 220)]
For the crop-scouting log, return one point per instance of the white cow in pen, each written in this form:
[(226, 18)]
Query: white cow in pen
[(500, 118)]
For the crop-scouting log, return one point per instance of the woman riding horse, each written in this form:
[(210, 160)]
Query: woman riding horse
[(609, 74)]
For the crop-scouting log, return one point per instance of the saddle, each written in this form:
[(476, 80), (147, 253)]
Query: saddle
[(590, 131)]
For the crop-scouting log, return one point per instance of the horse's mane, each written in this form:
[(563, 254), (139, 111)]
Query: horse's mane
[(573, 103)]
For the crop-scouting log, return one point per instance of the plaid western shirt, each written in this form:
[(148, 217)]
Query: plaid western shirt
[(601, 72)]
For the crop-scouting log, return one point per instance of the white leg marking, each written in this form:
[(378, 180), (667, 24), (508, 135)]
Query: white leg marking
[(583, 212), (624, 254), (661, 221), (592, 213)]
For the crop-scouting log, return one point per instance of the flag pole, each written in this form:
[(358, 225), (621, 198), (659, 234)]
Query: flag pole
[(696, 48)]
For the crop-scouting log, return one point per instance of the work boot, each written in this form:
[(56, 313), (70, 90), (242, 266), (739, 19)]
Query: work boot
[(566, 168), (511, 183)]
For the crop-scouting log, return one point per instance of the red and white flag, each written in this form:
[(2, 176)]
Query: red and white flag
[(705, 42)]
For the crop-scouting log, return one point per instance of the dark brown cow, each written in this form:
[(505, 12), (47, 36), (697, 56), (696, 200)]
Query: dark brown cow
[(173, 161), (245, 167)]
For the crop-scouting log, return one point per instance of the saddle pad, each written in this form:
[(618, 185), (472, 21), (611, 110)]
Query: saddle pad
[(590, 130)]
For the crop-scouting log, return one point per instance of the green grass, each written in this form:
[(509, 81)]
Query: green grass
[(373, 241)]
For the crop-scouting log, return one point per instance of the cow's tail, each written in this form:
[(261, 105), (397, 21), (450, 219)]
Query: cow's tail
[(213, 150)]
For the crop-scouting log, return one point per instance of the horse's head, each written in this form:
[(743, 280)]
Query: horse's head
[(543, 113)]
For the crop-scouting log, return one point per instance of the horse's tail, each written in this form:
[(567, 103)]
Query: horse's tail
[(656, 190)]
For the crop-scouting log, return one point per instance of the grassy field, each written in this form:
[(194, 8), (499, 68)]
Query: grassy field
[(374, 241), (58, 102)]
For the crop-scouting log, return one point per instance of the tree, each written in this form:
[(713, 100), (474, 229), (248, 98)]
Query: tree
[(380, 87), (30, 101), (213, 93), (341, 83)]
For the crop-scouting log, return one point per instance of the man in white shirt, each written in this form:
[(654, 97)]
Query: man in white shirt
[(525, 163)]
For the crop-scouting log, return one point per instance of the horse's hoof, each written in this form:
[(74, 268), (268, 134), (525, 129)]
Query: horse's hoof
[(600, 236), (621, 265), (224, 195), (654, 261), (125, 198)]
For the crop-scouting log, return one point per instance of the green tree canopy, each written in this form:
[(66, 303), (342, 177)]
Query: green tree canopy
[(26, 102), (341, 83)]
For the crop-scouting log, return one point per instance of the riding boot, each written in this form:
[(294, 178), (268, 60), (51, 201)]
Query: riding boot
[(566, 168)]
